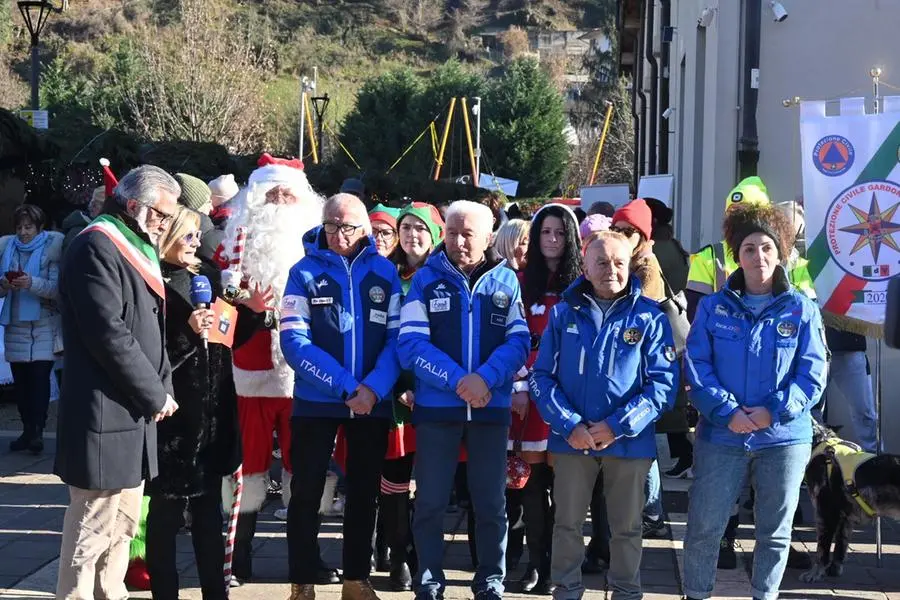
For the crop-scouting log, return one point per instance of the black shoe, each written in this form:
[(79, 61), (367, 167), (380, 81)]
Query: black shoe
[(488, 594), (383, 563), (529, 580), (400, 579), (681, 470), (593, 565), (20, 444), (654, 529), (798, 560), (36, 445), (325, 575), (727, 555), (544, 587)]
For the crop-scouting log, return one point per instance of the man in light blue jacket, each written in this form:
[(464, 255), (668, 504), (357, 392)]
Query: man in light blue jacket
[(606, 370)]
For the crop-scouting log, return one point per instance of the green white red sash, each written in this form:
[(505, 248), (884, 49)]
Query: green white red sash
[(139, 254)]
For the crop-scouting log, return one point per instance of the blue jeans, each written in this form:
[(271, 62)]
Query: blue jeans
[(848, 375), (437, 452), (719, 475), (653, 488)]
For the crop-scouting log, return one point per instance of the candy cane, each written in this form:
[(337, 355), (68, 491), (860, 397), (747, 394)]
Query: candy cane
[(232, 276), (237, 482)]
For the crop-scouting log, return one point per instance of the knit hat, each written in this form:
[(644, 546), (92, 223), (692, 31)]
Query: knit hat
[(353, 186), (638, 214), (224, 186), (194, 192), (751, 190), (593, 224), (385, 214), (429, 215)]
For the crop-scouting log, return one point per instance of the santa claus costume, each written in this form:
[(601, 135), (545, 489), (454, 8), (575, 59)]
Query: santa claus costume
[(263, 240)]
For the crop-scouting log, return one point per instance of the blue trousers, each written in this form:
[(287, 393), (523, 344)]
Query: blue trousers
[(437, 453)]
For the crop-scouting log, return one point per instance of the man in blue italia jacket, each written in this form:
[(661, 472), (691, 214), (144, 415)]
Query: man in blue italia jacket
[(339, 321), (463, 334), (605, 372)]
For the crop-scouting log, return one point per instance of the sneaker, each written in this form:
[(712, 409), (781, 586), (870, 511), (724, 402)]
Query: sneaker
[(681, 470), (274, 488), (281, 514), (727, 555), (655, 528), (337, 509)]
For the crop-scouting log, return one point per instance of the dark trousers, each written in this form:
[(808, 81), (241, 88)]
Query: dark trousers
[(680, 446), (32, 381), (312, 443), (165, 518)]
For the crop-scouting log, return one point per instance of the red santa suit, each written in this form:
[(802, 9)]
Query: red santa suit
[(263, 240)]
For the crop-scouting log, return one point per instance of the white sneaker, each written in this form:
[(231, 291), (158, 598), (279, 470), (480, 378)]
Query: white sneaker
[(337, 509), (281, 514)]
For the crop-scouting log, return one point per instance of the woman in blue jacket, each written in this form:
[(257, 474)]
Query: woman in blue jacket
[(756, 365)]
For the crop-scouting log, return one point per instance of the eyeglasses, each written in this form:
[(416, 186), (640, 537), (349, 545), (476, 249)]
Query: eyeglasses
[(192, 238), (164, 218), (345, 228), (626, 231), (385, 234)]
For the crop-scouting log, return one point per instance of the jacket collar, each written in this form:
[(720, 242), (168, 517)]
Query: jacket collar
[(439, 259), (780, 282), (112, 208)]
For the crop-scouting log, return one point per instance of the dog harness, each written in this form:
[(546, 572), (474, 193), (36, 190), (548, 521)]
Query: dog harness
[(848, 457)]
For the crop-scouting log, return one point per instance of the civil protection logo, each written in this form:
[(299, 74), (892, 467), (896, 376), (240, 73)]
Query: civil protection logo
[(833, 155), (862, 227)]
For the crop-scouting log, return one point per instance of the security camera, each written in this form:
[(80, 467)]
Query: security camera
[(706, 17), (779, 12), (667, 114)]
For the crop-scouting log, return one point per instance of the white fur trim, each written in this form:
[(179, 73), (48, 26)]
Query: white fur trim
[(271, 175), (272, 383), (255, 487), (286, 487)]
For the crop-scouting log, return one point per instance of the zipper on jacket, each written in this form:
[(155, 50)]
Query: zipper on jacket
[(471, 296), (581, 362), (349, 267)]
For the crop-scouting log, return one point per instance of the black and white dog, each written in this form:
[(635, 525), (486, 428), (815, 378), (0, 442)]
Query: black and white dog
[(878, 484)]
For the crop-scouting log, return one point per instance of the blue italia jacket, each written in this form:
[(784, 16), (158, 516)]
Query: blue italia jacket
[(625, 373), (338, 327), (448, 330), (778, 360)]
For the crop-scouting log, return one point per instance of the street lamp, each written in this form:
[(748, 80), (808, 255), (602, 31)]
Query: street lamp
[(35, 13)]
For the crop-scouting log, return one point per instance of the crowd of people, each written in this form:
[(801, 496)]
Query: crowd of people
[(390, 350)]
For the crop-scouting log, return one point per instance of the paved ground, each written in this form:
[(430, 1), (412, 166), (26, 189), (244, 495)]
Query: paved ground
[(32, 502)]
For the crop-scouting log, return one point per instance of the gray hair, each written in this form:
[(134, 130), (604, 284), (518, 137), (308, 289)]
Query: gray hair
[(483, 214), (507, 238), (144, 184), (343, 199)]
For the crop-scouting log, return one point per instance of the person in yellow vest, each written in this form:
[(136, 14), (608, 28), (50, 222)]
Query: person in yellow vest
[(710, 268)]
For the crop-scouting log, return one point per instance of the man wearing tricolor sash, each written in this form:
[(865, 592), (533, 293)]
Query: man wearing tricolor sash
[(117, 380)]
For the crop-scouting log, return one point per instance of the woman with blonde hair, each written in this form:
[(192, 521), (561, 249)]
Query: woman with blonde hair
[(511, 242)]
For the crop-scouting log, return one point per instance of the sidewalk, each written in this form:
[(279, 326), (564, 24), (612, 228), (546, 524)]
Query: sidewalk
[(32, 503)]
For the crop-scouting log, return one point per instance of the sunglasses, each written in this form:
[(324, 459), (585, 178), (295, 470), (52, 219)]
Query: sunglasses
[(192, 238)]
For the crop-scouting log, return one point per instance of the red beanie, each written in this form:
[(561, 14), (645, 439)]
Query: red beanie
[(638, 214)]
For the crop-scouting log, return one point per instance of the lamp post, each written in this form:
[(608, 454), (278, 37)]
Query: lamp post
[(35, 13)]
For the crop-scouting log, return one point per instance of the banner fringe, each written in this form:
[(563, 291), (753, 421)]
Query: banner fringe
[(851, 325)]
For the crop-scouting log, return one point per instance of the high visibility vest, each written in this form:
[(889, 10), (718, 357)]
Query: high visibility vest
[(713, 265)]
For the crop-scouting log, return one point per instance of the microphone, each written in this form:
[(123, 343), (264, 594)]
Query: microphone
[(201, 297)]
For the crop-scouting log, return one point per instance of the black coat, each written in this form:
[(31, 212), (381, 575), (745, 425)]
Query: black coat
[(200, 443), (116, 373)]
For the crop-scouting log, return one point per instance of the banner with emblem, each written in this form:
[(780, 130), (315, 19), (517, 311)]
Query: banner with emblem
[(851, 190)]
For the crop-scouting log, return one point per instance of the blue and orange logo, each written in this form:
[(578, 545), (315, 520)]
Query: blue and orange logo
[(833, 155)]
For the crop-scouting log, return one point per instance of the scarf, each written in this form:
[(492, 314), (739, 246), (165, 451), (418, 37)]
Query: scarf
[(134, 249), (29, 303)]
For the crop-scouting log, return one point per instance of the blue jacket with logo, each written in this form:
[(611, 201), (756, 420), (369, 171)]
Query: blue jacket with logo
[(338, 327), (777, 360), (448, 331), (625, 373)]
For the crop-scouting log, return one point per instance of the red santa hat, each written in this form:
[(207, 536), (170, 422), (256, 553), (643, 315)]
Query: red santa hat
[(109, 179), (274, 171)]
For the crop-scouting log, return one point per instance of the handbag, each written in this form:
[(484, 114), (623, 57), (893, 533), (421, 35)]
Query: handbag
[(674, 306), (517, 470)]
